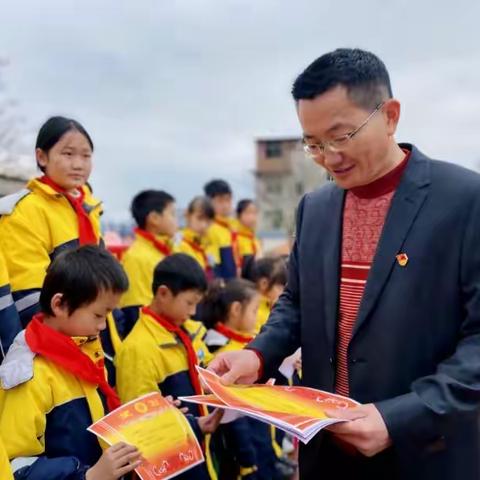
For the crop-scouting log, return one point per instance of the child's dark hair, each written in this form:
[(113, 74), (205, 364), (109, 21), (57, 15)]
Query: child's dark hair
[(179, 272), (220, 296), (203, 206), (242, 205), (149, 201), (54, 129), (80, 275), (217, 187), (274, 269)]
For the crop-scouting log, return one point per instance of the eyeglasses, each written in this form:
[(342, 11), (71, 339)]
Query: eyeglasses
[(338, 144)]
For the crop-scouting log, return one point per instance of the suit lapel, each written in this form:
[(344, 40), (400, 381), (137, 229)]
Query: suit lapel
[(406, 203), (331, 261)]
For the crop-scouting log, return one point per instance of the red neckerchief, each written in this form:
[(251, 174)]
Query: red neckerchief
[(86, 232), (162, 247), (63, 351), (234, 236), (198, 248), (231, 334), (187, 343)]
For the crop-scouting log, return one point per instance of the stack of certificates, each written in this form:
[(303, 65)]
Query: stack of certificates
[(296, 410)]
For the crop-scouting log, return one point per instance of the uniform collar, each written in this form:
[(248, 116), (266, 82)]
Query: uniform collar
[(35, 185), (162, 336)]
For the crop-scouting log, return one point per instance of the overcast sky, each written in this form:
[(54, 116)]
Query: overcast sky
[(175, 92)]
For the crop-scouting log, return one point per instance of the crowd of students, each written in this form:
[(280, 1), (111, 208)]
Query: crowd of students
[(70, 312)]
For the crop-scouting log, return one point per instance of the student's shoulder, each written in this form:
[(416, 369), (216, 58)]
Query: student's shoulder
[(195, 328), (22, 367), (16, 201)]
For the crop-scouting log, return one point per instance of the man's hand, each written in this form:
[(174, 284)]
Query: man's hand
[(366, 430), (241, 367)]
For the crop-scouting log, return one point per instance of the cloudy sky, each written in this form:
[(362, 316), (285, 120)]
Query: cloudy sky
[(175, 92)]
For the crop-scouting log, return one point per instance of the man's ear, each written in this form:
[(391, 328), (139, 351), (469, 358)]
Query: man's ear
[(392, 114)]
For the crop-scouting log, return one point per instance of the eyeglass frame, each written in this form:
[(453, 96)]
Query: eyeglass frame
[(348, 136)]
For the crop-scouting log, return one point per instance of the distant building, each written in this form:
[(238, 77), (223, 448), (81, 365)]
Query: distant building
[(283, 175)]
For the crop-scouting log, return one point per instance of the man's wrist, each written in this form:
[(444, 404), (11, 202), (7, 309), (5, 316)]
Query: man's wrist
[(261, 362)]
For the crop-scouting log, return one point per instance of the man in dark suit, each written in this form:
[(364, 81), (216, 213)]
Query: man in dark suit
[(383, 294)]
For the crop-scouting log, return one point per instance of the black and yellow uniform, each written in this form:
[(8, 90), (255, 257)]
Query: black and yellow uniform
[(9, 321), (234, 442), (222, 240), (248, 245), (139, 262), (5, 469), (37, 224), (192, 244), (157, 356), (45, 411)]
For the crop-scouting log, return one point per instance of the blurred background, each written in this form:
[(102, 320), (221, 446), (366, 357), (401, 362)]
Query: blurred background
[(174, 93)]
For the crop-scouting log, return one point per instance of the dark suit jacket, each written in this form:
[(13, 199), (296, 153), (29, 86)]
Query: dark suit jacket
[(415, 350)]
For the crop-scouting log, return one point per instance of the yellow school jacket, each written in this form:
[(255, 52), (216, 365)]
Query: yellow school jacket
[(153, 359), (9, 321), (5, 469), (36, 224), (45, 411), (139, 262), (221, 238), (197, 247), (263, 313), (248, 245)]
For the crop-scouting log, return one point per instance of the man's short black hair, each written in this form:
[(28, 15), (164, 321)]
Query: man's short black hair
[(362, 73), (179, 272), (149, 201), (80, 275), (217, 187)]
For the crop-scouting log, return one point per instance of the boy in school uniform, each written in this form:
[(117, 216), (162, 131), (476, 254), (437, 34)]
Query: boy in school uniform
[(221, 234), (192, 240), (53, 381), (10, 324), (155, 216), (165, 346)]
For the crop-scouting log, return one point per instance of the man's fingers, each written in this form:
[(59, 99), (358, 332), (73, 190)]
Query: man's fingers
[(343, 428), (346, 414)]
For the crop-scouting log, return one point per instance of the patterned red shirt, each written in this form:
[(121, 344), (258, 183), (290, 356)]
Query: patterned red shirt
[(364, 215)]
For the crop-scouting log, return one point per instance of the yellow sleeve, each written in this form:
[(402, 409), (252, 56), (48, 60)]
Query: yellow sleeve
[(23, 420), (25, 238), (5, 470), (140, 277), (136, 370)]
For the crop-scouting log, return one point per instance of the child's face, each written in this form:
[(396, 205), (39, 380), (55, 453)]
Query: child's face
[(249, 216), (180, 307), (198, 222), (86, 321), (222, 205), (69, 161), (244, 317), (164, 223)]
